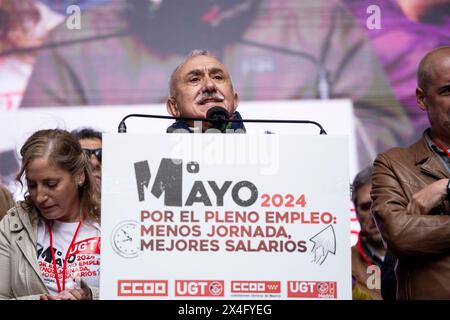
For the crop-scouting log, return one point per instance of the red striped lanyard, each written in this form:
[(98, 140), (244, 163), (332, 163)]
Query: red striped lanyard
[(65, 259), (442, 148), (362, 253)]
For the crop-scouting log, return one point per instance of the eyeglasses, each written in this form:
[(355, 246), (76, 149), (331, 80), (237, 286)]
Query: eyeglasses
[(96, 152), (365, 206)]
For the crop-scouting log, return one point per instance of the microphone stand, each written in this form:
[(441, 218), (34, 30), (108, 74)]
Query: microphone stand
[(123, 128)]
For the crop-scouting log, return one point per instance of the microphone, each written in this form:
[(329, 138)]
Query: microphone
[(218, 116)]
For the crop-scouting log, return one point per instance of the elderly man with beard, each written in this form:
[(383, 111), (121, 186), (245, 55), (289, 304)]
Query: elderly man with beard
[(198, 84), (411, 190)]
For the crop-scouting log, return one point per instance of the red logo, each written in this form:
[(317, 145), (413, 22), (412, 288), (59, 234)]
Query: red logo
[(142, 288), (199, 288), (255, 287), (87, 246), (312, 289)]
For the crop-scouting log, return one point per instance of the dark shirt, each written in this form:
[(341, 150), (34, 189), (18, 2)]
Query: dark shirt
[(442, 155), (388, 280), (237, 127)]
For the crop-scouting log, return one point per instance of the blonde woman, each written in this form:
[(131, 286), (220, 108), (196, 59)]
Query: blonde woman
[(50, 243)]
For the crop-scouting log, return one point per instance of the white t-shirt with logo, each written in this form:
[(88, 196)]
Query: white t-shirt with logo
[(84, 257)]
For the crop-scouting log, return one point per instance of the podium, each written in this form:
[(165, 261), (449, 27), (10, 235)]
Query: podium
[(225, 216), (313, 171)]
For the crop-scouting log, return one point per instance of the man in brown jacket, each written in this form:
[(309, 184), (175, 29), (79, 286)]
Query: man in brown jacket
[(411, 191)]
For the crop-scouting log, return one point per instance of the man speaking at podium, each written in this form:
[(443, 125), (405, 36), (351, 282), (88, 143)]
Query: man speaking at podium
[(198, 85)]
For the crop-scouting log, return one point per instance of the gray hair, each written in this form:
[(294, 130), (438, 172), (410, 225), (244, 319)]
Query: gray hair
[(363, 178), (193, 53)]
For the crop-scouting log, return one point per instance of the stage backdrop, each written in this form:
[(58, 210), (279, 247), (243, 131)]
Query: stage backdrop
[(112, 52), (236, 216)]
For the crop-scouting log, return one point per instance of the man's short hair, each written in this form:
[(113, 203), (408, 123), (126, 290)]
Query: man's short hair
[(425, 70), (86, 133), (363, 178), (193, 53)]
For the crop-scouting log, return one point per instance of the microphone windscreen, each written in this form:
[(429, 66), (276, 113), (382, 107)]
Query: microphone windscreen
[(217, 113)]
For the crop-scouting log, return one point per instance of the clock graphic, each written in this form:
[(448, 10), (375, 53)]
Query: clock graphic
[(125, 240)]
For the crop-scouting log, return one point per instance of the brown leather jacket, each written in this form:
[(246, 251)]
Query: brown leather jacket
[(420, 243)]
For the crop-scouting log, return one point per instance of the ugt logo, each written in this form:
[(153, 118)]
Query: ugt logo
[(169, 180)]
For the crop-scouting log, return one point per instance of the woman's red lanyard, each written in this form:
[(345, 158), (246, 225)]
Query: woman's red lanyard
[(442, 148), (65, 259), (362, 253)]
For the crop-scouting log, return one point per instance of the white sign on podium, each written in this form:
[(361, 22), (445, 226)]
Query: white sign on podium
[(225, 216)]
